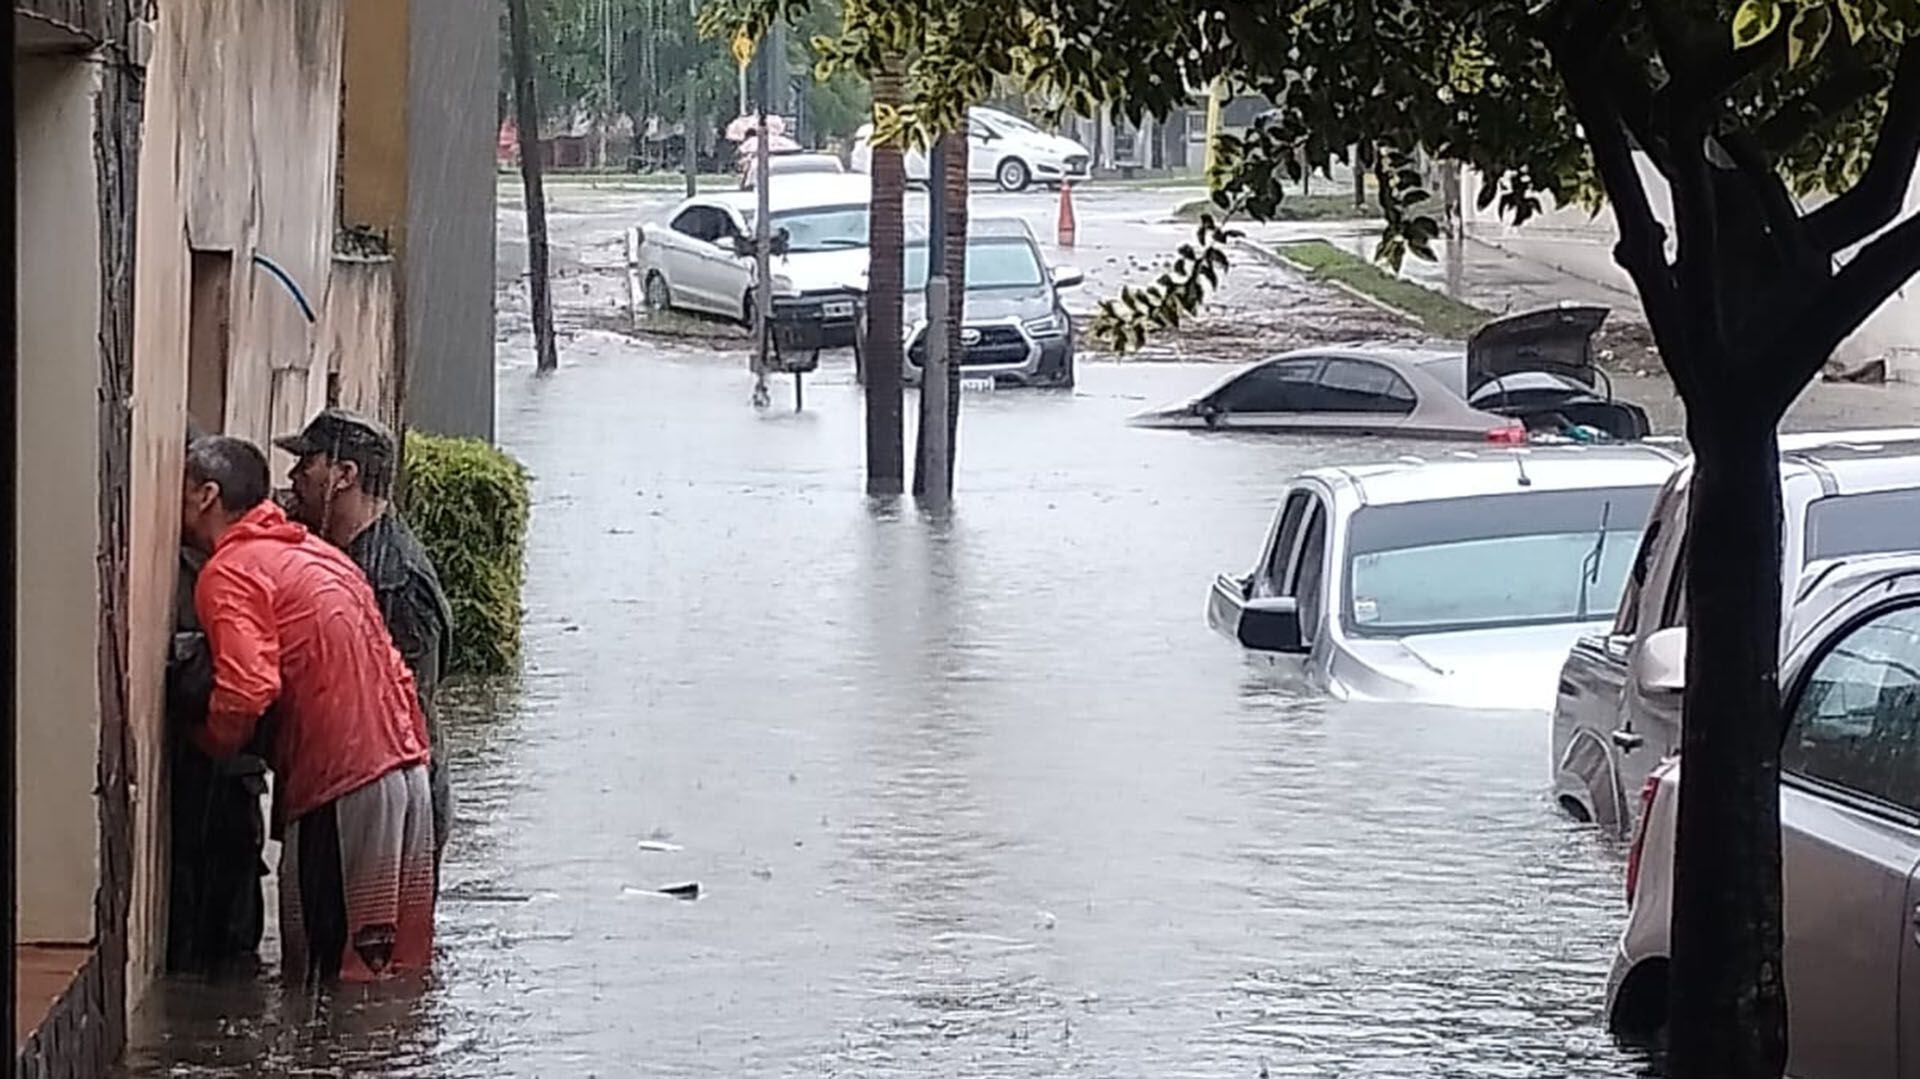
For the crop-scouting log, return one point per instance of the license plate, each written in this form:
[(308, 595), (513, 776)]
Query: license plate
[(977, 383), (837, 309)]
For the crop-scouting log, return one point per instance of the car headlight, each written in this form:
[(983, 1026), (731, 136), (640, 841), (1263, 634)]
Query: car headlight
[(1048, 325)]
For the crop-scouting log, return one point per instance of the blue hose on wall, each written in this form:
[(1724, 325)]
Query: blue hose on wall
[(287, 280)]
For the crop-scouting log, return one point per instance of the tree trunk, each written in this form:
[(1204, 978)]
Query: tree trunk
[(886, 455), (1727, 1003), (953, 229), (527, 116)]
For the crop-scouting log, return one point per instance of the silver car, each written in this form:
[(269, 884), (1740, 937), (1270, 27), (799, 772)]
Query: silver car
[(1849, 834), (1843, 493), (1461, 581), (1532, 372)]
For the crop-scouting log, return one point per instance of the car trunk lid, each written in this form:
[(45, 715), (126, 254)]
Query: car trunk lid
[(1555, 340)]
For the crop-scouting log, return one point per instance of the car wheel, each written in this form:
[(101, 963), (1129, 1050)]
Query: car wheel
[(1013, 175), (659, 296)]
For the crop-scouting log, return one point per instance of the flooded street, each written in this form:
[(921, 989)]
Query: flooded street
[(977, 797), (980, 796)]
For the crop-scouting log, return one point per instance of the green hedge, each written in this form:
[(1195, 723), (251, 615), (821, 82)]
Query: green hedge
[(467, 501)]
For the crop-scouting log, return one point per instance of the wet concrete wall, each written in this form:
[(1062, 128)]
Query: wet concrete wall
[(452, 105), (59, 526), (356, 338), (241, 130)]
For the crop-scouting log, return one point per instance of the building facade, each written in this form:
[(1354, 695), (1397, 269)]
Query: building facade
[(187, 251)]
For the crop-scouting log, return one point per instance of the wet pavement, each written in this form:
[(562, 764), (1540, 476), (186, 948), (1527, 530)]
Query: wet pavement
[(978, 796)]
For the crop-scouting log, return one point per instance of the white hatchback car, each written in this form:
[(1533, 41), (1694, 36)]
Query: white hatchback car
[(1002, 148), (1461, 581), (699, 258)]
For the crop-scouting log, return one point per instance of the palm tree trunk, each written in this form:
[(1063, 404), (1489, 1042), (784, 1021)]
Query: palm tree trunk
[(886, 273)]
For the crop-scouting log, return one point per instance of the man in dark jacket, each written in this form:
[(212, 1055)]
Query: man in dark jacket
[(342, 490), (217, 910)]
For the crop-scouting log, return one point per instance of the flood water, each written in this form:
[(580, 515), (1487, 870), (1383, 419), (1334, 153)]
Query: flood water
[(974, 797)]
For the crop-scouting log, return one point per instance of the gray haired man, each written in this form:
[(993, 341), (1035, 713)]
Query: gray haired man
[(342, 489)]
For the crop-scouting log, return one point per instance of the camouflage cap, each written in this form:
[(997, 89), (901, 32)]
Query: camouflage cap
[(343, 435)]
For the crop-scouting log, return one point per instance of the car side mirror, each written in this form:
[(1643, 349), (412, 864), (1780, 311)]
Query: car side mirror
[(1271, 624), (742, 245), (1661, 666), (780, 242), (1209, 411), (1068, 277)]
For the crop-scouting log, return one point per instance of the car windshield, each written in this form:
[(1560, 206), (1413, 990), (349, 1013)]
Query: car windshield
[(1491, 561), (821, 228), (1877, 522), (1010, 263)]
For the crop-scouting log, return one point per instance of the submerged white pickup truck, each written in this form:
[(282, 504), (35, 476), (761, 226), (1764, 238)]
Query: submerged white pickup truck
[(1617, 710)]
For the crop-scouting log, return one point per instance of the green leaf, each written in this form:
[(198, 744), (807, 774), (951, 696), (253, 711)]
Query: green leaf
[(1807, 33), (1755, 21)]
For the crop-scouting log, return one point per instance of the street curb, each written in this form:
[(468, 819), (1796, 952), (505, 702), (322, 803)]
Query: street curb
[(1273, 256)]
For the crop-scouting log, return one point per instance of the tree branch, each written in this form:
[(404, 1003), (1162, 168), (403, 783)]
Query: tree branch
[(1642, 248), (1836, 310), (1876, 199), (1784, 223)]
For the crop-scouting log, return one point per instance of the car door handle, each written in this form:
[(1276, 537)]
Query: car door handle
[(1627, 741)]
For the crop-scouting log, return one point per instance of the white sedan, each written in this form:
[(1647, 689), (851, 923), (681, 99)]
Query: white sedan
[(1001, 148), (700, 258)]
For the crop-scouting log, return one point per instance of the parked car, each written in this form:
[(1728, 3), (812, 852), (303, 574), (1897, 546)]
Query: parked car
[(1017, 332), (788, 163), (1001, 148), (1843, 493), (700, 258), (1849, 834), (1458, 582), (1529, 372)]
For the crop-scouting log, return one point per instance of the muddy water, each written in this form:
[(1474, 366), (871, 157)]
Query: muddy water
[(976, 797)]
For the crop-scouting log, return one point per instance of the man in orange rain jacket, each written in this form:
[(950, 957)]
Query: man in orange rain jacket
[(298, 643)]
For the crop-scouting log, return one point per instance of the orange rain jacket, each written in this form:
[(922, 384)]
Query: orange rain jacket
[(292, 621)]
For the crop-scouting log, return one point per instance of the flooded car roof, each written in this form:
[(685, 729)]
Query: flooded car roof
[(1469, 473)]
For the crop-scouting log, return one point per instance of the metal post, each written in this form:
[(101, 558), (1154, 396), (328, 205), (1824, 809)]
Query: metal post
[(9, 565), (691, 141), (934, 388), (606, 75), (762, 244)]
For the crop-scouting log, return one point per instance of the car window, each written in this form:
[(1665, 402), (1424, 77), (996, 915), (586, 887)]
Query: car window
[(1628, 620), (1361, 386), (701, 223), (992, 263), (1673, 611), (1842, 526), (1311, 575), (1273, 575), (1857, 722), (1280, 386), (824, 228), (1488, 561)]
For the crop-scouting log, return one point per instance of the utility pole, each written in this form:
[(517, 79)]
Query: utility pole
[(762, 243), (527, 113), (931, 474), (692, 124), (606, 75)]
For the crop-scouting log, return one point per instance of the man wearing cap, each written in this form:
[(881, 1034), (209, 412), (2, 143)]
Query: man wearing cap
[(342, 489)]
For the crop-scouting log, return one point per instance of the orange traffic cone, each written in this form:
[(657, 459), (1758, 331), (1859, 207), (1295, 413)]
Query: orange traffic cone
[(1067, 225)]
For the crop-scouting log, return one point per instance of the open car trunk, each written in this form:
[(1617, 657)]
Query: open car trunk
[(1539, 368)]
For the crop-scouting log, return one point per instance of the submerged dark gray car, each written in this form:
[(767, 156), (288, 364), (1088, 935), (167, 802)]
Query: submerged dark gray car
[(1017, 331), (1528, 373)]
